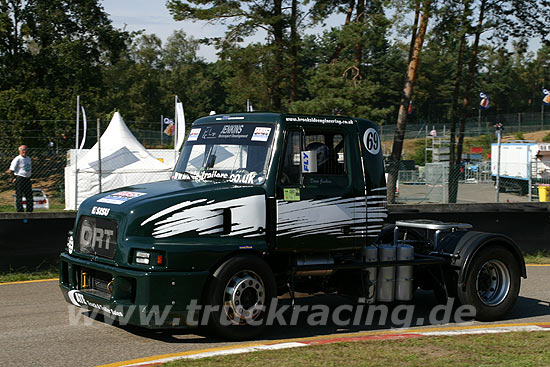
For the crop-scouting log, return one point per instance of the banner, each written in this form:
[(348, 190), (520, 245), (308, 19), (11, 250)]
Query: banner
[(546, 96), (84, 129), (168, 126), (484, 101), (180, 125)]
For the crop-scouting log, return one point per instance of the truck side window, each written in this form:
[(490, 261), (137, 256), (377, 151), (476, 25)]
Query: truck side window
[(330, 151), (290, 173)]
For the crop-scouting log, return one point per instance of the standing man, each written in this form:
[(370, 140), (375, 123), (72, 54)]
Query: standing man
[(21, 168)]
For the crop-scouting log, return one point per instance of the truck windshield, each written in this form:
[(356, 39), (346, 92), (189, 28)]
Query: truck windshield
[(234, 152)]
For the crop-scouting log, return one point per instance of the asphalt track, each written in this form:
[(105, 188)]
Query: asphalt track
[(35, 327)]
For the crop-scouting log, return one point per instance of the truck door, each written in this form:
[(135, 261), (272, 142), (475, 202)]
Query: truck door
[(319, 210)]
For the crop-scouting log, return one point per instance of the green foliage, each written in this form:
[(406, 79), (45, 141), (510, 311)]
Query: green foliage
[(419, 154), (546, 138), (51, 51), (483, 141), (519, 135)]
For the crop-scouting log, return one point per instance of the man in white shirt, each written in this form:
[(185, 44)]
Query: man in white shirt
[(21, 167)]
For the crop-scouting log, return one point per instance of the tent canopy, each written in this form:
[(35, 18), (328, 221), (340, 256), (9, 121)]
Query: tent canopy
[(120, 152), (124, 162)]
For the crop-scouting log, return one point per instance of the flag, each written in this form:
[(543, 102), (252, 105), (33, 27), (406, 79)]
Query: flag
[(180, 125), (546, 96), (410, 108), (169, 129), (484, 101)]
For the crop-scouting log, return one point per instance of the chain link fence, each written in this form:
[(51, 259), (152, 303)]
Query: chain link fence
[(47, 174), (471, 183), (474, 181), (524, 122), (49, 145)]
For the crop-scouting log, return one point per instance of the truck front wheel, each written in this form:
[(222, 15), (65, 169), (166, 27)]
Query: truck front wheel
[(492, 283), (240, 293)]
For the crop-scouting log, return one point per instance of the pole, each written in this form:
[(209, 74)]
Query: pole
[(175, 129), (498, 131), (542, 116), (479, 121), (76, 153), (529, 170), (77, 121), (426, 146), (99, 151), (161, 129)]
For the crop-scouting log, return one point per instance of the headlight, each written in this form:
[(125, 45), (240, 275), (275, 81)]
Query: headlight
[(142, 257), (149, 258)]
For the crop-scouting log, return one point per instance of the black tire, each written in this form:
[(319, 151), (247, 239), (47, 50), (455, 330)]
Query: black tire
[(492, 283), (243, 284)]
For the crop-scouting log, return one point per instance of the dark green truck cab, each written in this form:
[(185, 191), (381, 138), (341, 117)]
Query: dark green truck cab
[(262, 204)]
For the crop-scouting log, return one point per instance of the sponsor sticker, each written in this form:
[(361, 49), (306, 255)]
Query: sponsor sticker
[(320, 120), (291, 194), (194, 134), (97, 210), (371, 139), (77, 298), (232, 131), (261, 134), (120, 197)]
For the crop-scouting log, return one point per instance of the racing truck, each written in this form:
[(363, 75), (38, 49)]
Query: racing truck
[(261, 205)]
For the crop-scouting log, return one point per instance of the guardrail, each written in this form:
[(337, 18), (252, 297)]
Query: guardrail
[(34, 240)]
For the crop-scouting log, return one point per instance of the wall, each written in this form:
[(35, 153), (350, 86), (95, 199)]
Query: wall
[(34, 240)]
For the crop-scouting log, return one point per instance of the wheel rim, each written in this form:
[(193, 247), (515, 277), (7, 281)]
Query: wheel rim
[(493, 282), (244, 297)]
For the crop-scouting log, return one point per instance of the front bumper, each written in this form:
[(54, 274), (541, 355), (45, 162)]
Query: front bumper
[(144, 298)]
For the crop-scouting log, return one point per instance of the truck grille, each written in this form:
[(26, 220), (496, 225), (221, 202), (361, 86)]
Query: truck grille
[(95, 282), (96, 236)]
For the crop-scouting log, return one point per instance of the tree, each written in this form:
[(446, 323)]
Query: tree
[(507, 19), (189, 77), (412, 68), (244, 18), (50, 51), (353, 84)]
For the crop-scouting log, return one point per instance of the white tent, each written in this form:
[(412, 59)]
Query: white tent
[(124, 161)]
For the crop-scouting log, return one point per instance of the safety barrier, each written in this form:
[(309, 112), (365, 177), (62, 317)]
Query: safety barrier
[(34, 240)]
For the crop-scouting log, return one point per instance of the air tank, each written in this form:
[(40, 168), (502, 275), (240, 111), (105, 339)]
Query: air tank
[(404, 278), (386, 275), (370, 254)]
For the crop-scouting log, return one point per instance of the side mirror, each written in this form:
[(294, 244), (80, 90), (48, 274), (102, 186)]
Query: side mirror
[(309, 161)]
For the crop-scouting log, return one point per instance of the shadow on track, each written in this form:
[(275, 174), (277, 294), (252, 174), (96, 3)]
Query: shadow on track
[(425, 311)]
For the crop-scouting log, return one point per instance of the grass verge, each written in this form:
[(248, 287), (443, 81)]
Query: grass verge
[(508, 349), (541, 257), (30, 275)]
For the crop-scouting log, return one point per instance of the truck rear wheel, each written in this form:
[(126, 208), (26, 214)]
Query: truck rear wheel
[(492, 283), (240, 291)]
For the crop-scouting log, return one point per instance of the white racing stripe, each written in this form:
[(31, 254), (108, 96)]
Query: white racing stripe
[(224, 352), (247, 217), (496, 330)]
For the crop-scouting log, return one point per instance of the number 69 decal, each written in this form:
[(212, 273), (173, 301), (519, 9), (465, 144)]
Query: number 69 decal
[(371, 139)]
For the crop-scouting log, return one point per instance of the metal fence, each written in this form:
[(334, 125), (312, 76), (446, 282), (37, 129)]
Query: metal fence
[(47, 174), (473, 181), (517, 122)]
